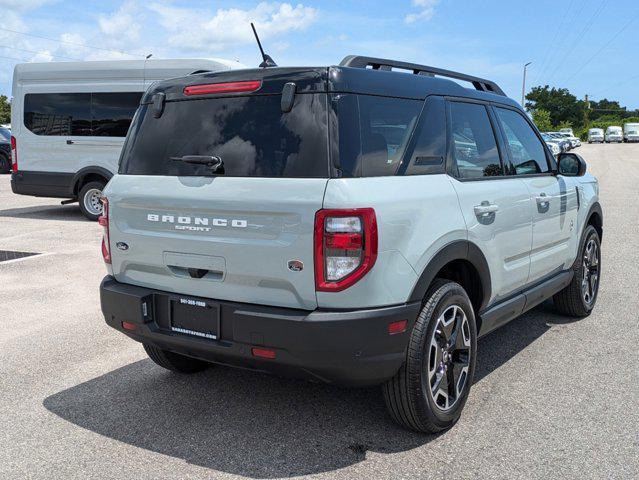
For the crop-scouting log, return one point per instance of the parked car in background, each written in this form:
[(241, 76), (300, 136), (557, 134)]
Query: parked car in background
[(564, 143), (574, 141), (614, 134), (5, 150), (595, 135), (567, 131), (70, 119), (631, 132), (556, 146)]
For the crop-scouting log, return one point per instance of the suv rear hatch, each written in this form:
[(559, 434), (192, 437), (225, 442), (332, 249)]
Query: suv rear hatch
[(242, 231)]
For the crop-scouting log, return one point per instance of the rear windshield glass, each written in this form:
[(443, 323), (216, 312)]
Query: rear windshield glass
[(251, 135)]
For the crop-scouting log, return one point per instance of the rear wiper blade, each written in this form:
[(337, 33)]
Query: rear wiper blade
[(214, 162)]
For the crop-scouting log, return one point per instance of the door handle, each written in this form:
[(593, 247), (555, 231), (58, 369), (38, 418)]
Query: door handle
[(543, 200), (485, 209)]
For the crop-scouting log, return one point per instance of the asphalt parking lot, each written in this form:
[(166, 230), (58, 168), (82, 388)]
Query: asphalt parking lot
[(553, 397)]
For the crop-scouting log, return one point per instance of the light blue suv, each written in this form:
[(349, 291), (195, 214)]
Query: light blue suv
[(360, 224)]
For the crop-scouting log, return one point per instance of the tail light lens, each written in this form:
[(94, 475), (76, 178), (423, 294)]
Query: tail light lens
[(345, 247), (103, 220), (14, 155)]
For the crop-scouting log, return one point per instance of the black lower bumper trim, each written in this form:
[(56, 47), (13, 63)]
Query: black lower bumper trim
[(42, 184), (344, 347)]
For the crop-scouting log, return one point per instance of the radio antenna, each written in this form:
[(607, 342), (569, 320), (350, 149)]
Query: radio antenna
[(267, 61)]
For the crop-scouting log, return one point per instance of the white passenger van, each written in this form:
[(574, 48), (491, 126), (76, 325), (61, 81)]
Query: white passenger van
[(69, 120), (614, 134), (631, 132), (595, 135)]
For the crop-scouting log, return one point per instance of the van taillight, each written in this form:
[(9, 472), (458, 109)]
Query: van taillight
[(14, 155), (104, 221), (345, 247)]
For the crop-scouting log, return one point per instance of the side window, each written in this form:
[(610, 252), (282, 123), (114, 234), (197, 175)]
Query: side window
[(473, 140), (80, 114), (372, 133), (429, 148), (58, 114), (527, 153), (385, 128), (111, 113)]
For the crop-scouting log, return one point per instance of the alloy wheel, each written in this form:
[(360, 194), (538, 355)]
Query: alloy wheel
[(590, 272), (449, 358)]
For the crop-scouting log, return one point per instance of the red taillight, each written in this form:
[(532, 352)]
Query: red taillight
[(103, 220), (227, 87), (14, 155), (345, 247), (263, 353)]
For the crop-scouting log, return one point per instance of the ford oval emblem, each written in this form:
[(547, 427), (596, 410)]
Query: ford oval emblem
[(295, 266), (122, 246)]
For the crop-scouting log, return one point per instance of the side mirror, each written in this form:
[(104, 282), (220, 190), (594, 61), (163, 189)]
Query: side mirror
[(571, 165)]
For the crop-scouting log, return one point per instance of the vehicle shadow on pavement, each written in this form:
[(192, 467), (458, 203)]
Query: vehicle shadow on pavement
[(46, 212), (256, 425)]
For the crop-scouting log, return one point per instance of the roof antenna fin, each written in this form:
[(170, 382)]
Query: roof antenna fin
[(267, 60)]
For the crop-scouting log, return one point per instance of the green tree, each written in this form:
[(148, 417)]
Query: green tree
[(541, 118), (559, 103), (5, 110)]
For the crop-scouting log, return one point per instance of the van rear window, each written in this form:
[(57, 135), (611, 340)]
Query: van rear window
[(250, 134)]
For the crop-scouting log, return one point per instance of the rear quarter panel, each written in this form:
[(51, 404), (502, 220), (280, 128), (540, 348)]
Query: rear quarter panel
[(416, 217)]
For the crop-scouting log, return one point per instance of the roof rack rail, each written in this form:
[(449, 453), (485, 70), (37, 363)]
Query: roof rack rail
[(481, 84)]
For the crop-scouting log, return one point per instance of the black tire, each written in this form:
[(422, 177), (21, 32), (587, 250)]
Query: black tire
[(174, 361), (5, 164), (89, 189), (408, 395), (573, 300)]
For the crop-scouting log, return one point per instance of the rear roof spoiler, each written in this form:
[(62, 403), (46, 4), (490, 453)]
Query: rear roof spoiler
[(481, 84)]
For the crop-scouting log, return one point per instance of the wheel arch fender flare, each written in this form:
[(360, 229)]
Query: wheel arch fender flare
[(457, 250), (595, 208), (86, 171)]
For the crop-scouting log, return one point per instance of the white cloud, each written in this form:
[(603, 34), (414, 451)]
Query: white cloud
[(22, 5), (122, 23), (197, 29), (426, 11)]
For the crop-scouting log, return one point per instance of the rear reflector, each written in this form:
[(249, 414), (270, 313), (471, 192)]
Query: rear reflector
[(397, 327), (228, 87), (263, 353), (129, 326)]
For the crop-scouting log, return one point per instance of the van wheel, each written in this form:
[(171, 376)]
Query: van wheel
[(5, 164), (89, 199), (174, 361), (429, 391), (579, 298)]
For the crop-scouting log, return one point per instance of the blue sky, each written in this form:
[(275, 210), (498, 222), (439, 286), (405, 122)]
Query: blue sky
[(587, 46)]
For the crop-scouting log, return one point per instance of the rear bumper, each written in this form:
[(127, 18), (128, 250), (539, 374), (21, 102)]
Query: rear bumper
[(345, 347), (42, 184)]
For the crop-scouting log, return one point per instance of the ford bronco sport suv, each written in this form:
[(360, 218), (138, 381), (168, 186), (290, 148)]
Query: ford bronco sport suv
[(360, 224)]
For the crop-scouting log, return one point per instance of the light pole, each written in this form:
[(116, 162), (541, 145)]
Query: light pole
[(523, 86)]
